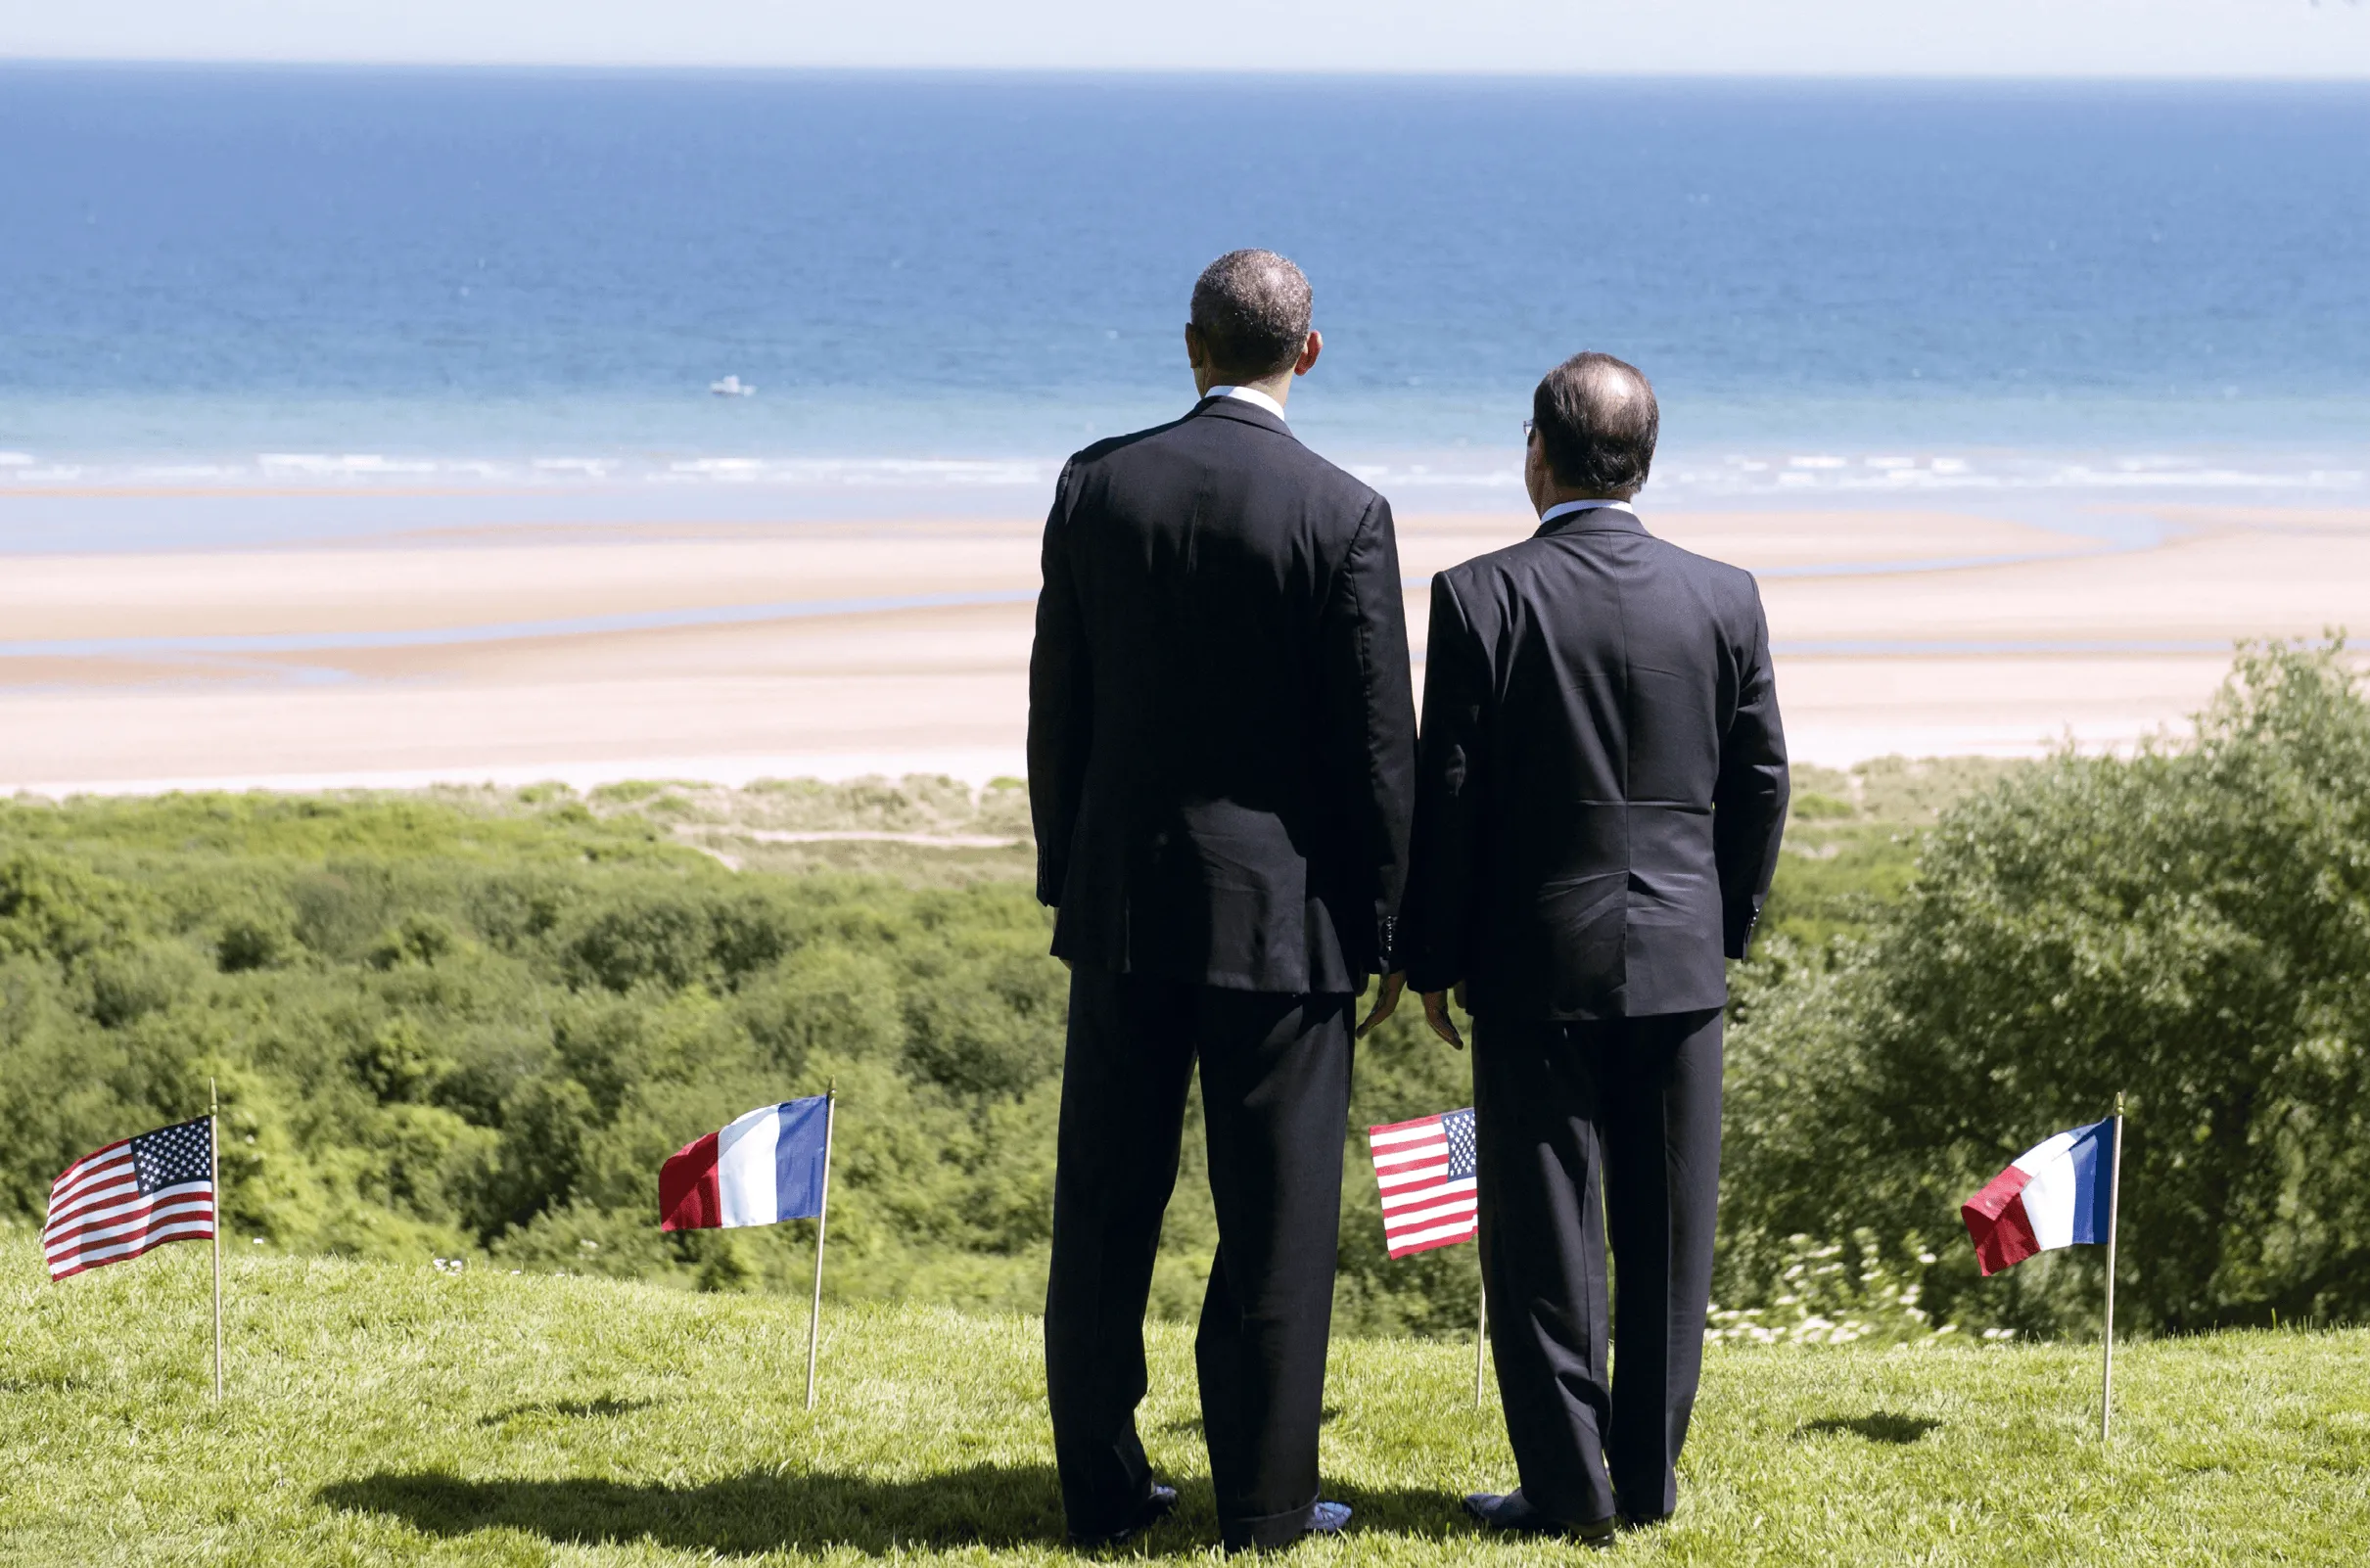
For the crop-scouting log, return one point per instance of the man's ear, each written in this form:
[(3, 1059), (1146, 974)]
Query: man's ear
[(1197, 351), (1308, 352)]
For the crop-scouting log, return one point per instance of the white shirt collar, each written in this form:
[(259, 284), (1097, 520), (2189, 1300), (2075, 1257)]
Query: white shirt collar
[(1249, 395), (1570, 507)]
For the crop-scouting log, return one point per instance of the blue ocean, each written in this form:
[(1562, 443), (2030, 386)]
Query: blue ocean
[(219, 274)]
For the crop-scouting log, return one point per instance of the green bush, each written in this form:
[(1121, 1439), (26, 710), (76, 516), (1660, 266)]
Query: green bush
[(2191, 926)]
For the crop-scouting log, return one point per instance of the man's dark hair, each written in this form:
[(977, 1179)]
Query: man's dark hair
[(1596, 421), (1252, 308)]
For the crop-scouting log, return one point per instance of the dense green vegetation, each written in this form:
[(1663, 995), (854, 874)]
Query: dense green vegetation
[(380, 1413), (473, 1023), (2190, 924), (476, 1025)]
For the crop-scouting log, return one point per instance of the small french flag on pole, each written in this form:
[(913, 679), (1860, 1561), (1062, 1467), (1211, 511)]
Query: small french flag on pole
[(765, 1168), (773, 1164), (2060, 1193), (2056, 1194)]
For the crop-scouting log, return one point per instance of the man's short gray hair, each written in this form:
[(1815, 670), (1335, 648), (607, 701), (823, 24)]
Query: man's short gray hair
[(1252, 308), (1596, 421)]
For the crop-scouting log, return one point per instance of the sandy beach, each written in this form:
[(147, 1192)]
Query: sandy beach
[(678, 649)]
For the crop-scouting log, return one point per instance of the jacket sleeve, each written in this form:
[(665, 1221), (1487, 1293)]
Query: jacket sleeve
[(1450, 787), (1371, 708), (1061, 704), (1749, 803)]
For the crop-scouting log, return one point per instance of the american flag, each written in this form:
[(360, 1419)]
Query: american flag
[(131, 1196), (1426, 1171)]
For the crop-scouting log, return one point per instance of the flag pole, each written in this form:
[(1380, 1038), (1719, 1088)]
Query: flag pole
[(214, 1154), (822, 1219), (1481, 1332), (2114, 1196)]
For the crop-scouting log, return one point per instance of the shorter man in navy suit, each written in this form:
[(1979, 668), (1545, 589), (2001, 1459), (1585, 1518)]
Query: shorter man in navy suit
[(1601, 789)]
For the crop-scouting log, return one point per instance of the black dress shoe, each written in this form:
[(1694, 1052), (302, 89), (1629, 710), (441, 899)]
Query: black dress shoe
[(1157, 1505), (1512, 1512)]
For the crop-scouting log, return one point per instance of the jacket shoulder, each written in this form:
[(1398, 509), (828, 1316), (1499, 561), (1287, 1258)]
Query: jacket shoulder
[(1200, 441), (1112, 445), (1732, 586), (1505, 573), (1491, 570), (1350, 491)]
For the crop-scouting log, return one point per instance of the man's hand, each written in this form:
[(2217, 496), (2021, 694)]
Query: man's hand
[(1436, 1014), (1386, 1001)]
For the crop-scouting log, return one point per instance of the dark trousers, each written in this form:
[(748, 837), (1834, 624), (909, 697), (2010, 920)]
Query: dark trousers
[(1589, 1130), (1276, 1094)]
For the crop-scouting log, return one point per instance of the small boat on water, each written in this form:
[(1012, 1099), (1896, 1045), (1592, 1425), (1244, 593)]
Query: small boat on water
[(732, 387)]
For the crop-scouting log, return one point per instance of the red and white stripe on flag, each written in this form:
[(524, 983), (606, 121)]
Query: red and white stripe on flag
[(1424, 1170), (130, 1197)]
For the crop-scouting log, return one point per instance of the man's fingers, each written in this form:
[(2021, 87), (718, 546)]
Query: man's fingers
[(1436, 1014), (1386, 1001)]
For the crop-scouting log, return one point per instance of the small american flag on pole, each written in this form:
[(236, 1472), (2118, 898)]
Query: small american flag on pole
[(131, 1196), (1426, 1171)]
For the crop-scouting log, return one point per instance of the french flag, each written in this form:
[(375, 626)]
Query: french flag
[(2056, 1194), (767, 1166)]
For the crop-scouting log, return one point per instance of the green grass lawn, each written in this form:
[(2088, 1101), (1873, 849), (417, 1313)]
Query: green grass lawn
[(383, 1414)]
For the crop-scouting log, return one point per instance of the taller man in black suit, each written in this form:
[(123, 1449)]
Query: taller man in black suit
[(1221, 769), (1601, 795)]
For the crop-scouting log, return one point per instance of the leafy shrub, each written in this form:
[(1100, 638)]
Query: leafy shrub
[(2190, 924)]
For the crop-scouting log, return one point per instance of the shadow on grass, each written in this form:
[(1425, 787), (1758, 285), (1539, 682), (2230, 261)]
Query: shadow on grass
[(1882, 1426), (989, 1505), (985, 1505), (568, 1408)]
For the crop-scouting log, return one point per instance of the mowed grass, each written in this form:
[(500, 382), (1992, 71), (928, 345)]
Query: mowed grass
[(385, 1415)]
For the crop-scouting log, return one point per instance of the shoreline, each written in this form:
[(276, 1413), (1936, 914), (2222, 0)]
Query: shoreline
[(330, 499)]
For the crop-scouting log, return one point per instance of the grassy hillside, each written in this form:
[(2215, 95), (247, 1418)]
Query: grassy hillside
[(383, 1414)]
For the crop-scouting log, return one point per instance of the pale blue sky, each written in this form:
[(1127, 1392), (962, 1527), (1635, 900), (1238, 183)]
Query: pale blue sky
[(1908, 37)]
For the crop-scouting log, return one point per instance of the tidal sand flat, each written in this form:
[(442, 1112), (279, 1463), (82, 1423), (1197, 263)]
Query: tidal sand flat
[(659, 646)]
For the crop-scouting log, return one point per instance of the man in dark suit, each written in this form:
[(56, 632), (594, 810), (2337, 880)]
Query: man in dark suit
[(1599, 797), (1221, 771)]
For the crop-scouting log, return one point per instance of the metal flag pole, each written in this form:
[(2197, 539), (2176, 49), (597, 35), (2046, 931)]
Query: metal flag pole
[(1482, 1339), (213, 1159), (822, 1219), (2114, 1196)]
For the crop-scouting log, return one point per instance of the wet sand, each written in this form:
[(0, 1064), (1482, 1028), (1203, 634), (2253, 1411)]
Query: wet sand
[(627, 650)]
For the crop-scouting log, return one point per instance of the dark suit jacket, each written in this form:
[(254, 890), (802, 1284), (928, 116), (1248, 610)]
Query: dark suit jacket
[(1603, 783), (1222, 735)]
